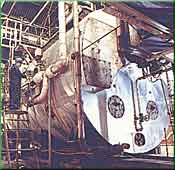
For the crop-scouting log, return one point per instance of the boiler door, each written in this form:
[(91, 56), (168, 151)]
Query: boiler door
[(111, 111)]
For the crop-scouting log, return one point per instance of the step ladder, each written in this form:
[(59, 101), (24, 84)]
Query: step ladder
[(18, 137)]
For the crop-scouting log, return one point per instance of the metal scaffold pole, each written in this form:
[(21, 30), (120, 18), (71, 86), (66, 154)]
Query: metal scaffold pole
[(80, 123), (49, 126)]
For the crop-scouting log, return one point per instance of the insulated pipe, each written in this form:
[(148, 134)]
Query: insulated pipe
[(62, 30), (43, 93), (60, 67)]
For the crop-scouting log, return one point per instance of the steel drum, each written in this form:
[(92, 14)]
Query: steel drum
[(111, 109)]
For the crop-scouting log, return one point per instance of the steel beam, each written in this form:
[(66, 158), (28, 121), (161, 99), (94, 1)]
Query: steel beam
[(40, 11), (133, 17), (11, 8)]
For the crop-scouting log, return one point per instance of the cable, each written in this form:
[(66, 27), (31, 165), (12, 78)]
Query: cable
[(100, 38)]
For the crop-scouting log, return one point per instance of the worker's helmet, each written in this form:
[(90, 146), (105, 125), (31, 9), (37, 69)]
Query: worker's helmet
[(18, 59)]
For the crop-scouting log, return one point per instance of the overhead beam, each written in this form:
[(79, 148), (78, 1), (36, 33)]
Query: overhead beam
[(40, 11), (164, 54), (17, 20), (45, 21), (134, 17), (11, 8)]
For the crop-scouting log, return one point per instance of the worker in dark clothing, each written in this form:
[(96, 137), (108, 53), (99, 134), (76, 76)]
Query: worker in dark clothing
[(15, 77)]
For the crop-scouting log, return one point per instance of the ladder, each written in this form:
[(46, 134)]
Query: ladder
[(18, 138), (17, 132)]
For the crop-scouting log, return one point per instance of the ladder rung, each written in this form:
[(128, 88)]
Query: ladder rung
[(17, 119), (21, 139), (24, 149), (21, 129), (17, 112)]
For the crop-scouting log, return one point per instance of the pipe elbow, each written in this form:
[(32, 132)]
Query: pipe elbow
[(49, 72), (43, 93), (59, 67)]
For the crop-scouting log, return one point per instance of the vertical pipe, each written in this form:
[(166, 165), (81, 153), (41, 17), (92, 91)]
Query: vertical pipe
[(62, 30), (135, 106), (138, 103), (118, 33), (49, 126), (164, 95), (78, 71), (170, 98), (166, 144), (168, 114), (123, 39), (132, 134)]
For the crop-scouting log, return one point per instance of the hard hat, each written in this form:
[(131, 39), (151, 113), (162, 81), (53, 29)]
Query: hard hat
[(18, 60)]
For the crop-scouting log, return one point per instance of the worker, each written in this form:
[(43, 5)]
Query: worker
[(15, 77)]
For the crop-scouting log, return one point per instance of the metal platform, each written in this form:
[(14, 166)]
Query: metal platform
[(102, 160)]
